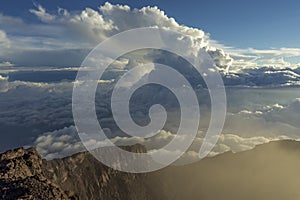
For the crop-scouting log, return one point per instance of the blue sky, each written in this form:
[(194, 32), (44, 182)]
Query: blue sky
[(252, 33), (259, 24)]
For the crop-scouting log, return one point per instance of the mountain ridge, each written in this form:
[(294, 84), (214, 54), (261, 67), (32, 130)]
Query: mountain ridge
[(269, 171)]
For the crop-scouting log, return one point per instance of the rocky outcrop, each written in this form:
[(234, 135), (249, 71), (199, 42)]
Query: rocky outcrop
[(21, 177), (24, 175), (93, 180)]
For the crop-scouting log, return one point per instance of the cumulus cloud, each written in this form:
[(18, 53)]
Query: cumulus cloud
[(243, 130), (249, 58), (222, 60), (250, 114), (65, 142), (6, 64), (3, 84), (96, 25), (42, 14), (4, 41), (269, 120), (88, 27), (288, 113), (59, 143), (263, 77), (66, 30), (38, 104)]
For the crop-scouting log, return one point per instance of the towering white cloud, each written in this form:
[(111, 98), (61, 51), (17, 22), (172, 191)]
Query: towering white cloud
[(222, 60), (96, 25), (66, 29)]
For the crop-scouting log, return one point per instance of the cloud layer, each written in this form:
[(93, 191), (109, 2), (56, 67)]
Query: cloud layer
[(243, 130)]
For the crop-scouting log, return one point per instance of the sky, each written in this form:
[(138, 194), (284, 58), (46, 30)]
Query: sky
[(254, 44), (250, 33), (260, 24)]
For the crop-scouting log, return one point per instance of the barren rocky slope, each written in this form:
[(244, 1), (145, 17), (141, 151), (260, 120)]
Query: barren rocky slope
[(270, 171), (21, 177)]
